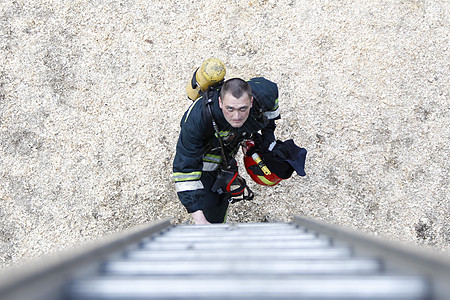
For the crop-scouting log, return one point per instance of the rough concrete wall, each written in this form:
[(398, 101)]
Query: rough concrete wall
[(91, 94)]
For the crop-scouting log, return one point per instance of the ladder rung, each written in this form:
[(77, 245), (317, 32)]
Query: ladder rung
[(236, 245), (256, 254), (265, 237), (239, 267), (218, 233), (376, 287)]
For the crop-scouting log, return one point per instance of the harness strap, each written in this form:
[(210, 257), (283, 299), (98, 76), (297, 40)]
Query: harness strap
[(194, 84), (216, 128)]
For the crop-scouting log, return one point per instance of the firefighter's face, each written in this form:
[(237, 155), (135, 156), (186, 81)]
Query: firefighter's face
[(235, 110)]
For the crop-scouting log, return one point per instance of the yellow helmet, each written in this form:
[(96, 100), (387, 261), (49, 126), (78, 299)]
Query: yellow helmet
[(210, 73)]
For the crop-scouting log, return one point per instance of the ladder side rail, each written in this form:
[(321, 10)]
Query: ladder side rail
[(45, 278), (397, 258)]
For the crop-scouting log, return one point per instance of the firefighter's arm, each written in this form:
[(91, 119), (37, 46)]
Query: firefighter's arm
[(188, 162), (268, 132)]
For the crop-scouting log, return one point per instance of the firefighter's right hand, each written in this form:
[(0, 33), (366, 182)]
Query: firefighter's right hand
[(199, 218)]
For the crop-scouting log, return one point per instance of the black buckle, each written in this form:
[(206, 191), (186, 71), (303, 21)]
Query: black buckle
[(250, 195)]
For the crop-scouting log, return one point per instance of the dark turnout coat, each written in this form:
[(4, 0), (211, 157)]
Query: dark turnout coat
[(197, 148)]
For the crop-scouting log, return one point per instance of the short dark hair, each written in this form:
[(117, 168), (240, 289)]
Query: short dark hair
[(236, 87)]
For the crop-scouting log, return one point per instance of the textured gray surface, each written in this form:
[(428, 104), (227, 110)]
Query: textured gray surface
[(91, 94)]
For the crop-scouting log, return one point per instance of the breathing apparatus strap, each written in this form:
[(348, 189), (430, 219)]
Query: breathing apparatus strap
[(216, 129), (194, 84)]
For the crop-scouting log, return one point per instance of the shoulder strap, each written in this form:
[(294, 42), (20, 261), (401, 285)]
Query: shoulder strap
[(207, 115), (257, 106), (208, 99)]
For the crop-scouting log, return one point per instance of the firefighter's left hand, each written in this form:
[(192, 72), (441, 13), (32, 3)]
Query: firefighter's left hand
[(199, 218)]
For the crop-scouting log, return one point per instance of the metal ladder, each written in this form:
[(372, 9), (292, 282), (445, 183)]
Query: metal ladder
[(299, 260)]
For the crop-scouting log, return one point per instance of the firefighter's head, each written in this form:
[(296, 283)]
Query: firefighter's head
[(235, 101)]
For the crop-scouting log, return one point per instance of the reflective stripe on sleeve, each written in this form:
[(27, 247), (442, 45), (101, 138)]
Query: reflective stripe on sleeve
[(185, 186), (179, 176), (272, 114), (211, 162), (209, 166), (212, 158)]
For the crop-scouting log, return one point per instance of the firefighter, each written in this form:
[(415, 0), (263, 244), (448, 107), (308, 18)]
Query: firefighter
[(212, 130)]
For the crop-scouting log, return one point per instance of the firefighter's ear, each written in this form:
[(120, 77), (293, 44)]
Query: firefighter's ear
[(220, 102)]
